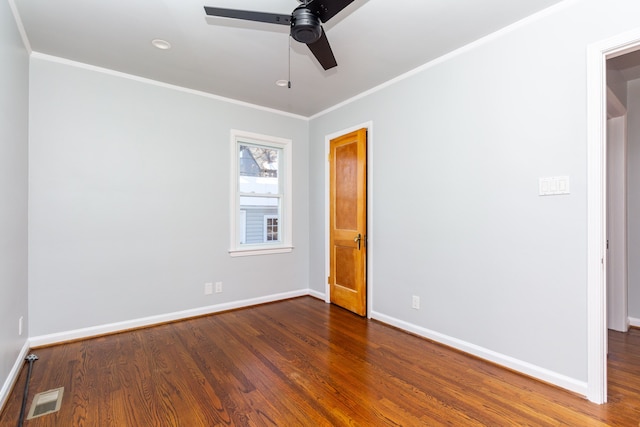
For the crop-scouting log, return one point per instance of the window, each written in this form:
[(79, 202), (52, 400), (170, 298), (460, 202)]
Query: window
[(271, 228), (260, 193)]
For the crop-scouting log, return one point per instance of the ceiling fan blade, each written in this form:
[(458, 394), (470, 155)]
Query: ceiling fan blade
[(247, 15), (327, 9), (322, 51)]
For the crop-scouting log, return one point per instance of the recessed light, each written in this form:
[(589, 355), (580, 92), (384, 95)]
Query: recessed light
[(161, 44), (282, 83)]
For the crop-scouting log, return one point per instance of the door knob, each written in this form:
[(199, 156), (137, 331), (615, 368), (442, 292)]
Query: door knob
[(357, 239)]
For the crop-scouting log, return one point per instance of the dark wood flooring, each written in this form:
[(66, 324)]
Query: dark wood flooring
[(302, 362)]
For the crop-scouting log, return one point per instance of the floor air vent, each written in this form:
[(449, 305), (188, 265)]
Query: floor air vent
[(46, 402)]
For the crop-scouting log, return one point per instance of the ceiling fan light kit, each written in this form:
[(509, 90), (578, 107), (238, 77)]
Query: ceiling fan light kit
[(305, 24)]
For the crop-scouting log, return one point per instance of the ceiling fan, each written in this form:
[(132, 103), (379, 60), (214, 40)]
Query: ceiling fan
[(305, 22)]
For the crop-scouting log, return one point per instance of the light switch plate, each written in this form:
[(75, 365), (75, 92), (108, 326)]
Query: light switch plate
[(554, 185)]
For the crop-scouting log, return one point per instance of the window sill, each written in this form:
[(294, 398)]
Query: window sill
[(260, 251)]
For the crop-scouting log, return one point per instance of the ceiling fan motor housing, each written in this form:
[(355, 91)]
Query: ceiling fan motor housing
[(305, 26)]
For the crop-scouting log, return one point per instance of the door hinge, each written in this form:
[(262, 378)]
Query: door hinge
[(329, 280)]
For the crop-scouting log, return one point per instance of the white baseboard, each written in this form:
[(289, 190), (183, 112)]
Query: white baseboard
[(634, 322), (316, 294), (93, 331), (13, 375), (534, 371), (526, 368)]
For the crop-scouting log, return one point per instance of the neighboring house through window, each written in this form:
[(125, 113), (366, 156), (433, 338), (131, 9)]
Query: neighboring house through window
[(271, 232), (261, 194)]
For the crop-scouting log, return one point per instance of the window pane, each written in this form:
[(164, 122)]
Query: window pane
[(261, 212), (258, 168), (271, 229)]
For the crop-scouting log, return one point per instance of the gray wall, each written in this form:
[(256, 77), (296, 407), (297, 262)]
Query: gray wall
[(618, 85), (457, 150), (633, 197), (129, 200), (14, 115)]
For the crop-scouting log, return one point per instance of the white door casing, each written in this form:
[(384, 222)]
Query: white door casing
[(597, 54)]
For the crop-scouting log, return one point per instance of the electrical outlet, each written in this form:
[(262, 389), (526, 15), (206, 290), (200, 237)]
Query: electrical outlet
[(208, 288), (218, 287), (415, 302), (20, 325)]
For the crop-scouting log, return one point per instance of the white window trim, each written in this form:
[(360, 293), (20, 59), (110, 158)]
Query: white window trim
[(285, 227)]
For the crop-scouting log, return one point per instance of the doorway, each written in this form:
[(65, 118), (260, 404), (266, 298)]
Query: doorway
[(348, 219), (597, 322)]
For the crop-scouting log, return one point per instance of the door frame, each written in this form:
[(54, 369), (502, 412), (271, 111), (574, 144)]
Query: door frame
[(597, 55), (327, 197)]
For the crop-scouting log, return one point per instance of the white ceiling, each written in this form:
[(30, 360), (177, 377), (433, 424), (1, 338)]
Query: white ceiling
[(373, 41)]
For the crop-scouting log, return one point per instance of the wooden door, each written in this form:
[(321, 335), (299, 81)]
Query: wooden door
[(348, 221)]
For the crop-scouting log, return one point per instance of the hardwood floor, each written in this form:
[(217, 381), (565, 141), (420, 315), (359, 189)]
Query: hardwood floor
[(302, 362)]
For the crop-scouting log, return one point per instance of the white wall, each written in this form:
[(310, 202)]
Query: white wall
[(129, 200), (14, 79), (633, 196), (456, 218)]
